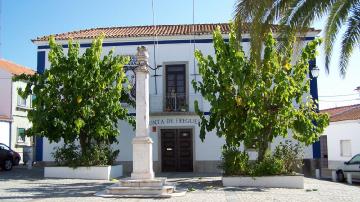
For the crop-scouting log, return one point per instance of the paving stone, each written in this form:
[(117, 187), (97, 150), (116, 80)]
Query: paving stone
[(21, 184)]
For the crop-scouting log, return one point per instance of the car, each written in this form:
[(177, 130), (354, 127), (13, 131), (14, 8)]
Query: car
[(8, 157), (352, 166)]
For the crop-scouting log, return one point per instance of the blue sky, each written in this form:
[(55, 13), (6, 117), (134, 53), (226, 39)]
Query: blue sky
[(23, 20)]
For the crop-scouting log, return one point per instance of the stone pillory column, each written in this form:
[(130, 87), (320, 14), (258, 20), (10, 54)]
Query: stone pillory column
[(142, 143), (142, 182)]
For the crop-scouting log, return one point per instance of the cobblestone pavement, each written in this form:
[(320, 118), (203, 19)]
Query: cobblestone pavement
[(21, 184)]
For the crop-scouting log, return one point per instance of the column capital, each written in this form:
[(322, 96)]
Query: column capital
[(142, 57)]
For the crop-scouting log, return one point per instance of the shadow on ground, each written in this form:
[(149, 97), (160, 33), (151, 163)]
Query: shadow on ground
[(56, 190), (202, 182), (30, 184), (22, 173), (20, 184)]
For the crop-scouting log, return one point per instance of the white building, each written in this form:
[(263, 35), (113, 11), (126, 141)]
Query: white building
[(13, 108), (343, 134), (173, 122)]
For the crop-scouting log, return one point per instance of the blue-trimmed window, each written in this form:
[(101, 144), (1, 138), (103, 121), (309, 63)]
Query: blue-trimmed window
[(40, 61), (21, 135)]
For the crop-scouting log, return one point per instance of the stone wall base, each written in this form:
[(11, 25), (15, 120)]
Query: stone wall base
[(199, 166), (309, 167), (295, 181), (207, 167), (92, 172)]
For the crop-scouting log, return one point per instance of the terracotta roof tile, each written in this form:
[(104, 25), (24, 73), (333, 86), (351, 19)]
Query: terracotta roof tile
[(15, 69), (351, 112), (5, 118), (145, 31)]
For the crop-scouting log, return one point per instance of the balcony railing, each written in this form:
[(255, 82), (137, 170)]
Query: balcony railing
[(176, 102)]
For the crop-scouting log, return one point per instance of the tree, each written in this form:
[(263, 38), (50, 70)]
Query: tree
[(78, 97), (253, 103), (296, 16)]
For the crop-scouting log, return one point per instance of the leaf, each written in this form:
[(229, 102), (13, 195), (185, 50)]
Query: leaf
[(79, 123), (78, 99)]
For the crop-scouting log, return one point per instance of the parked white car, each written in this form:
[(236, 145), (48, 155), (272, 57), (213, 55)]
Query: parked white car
[(352, 166)]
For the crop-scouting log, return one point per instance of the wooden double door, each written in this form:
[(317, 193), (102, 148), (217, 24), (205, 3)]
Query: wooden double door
[(176, 150)]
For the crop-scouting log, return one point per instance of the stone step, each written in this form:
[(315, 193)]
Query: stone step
[(157, 182), (151, 191)]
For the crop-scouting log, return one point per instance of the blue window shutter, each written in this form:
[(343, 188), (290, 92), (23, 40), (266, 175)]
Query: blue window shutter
[(316, 150), (315, 96), (40, 62), (313, 83), (39, 140), (38, 148)]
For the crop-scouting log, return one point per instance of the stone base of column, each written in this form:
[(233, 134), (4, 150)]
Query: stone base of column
[(154, 188), (139, 176), (142, 158)]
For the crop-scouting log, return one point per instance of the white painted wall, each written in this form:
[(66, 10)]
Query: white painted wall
[(90, 173), (210, 149), (5, 105), (9, 108), (20, 120), (201, 150), (5, 132), (342, 130), (48, 149), (165, 53), (19, 113), (5, 93), (307, 150)]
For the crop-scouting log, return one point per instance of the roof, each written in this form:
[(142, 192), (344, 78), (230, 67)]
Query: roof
[(351, 112), (146, 31), (5, 118), (15, 69)]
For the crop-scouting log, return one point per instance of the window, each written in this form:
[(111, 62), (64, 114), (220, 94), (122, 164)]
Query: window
[(32, 100), (345, 148), (130, 74), (175, 88), (21, 134), (4, 147), (21, 101), (355, 160)]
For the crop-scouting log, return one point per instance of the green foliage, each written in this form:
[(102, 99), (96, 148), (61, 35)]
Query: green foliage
[(66, 155), (286, 159), (268, 166), (78, 97), (291, 154), (296, 17), (234, 161), (252, 102), (71, 155)]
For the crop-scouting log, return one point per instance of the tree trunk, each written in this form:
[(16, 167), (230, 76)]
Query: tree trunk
[(83, 142), (263, 146), (262, 150)]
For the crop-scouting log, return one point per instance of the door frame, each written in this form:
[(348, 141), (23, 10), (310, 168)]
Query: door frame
[(159, 128)]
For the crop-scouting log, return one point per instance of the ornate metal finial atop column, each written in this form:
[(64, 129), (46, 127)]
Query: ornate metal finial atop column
[(142, 57)]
